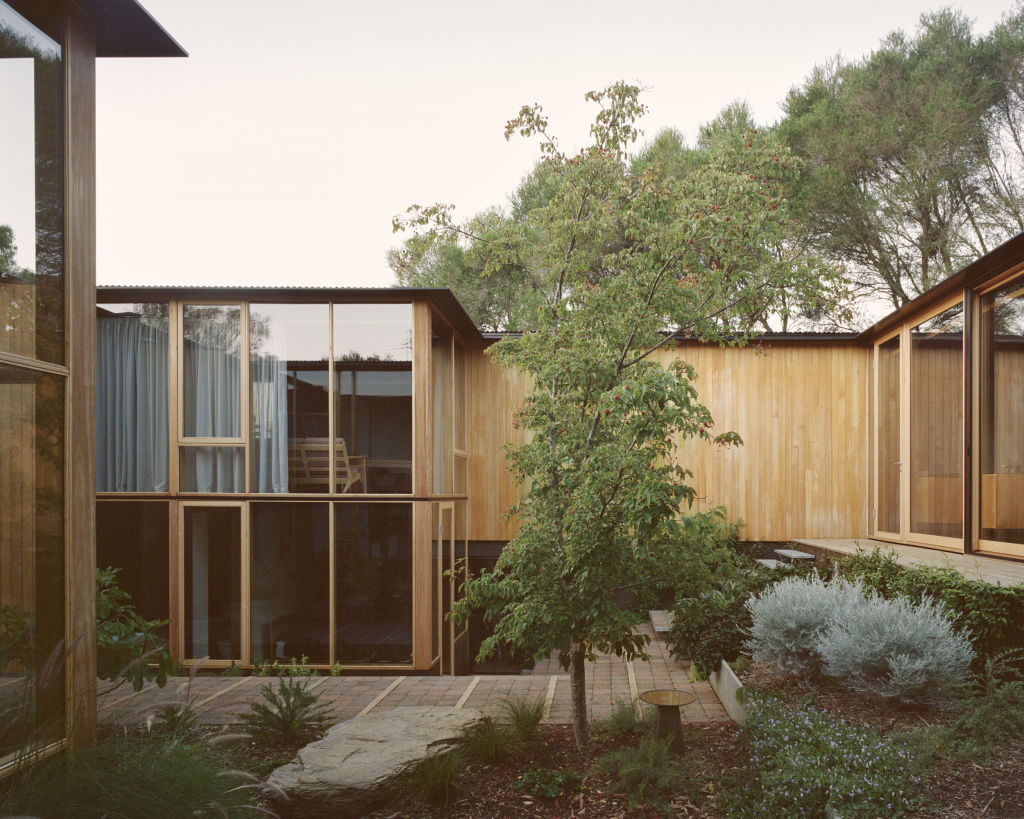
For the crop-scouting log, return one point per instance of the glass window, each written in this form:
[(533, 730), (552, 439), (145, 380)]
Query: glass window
[(132, 395), (888, 431), (937, 424), (289, 346), (211, 370), (1002, 414), (32, 553), (441, 373), (373, 582), (213, 582), (291, 581), (373, 403), (133, 536), (212, 469), (32, 192)]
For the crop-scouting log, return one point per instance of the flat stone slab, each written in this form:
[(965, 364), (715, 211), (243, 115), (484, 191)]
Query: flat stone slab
[(794, 554), (769, 562), (349, 770), (660, 620)]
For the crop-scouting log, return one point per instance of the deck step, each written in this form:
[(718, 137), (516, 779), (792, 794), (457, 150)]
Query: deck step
[(661, 621), (771, 563), (793, 554)]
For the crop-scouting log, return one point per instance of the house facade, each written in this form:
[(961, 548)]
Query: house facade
[(48, 51)]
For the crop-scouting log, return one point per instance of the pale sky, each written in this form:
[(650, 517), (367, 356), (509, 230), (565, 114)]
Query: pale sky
[(279, 150)]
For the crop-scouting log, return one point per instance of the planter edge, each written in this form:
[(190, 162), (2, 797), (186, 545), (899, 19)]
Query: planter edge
[(726, 684)]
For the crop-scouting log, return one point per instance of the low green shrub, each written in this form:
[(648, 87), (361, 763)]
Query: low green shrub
[(712, 626), (623, 721), (433, 779), (545, 783), (648, 773), (993, 615), (993, 710), (895, 649), (292, 715), (523, 717), (488, 741), (803, 762)]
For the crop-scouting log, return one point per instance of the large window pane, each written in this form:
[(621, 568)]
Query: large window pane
[(936, 425), (1002, 414), (132, 383), (213, 582), (133, 536), (889, 435), (212, 469), (373, 577), (289, 349), (31, 555), (373, 404), (211, 371), (290, 581), (441, 374), (31, 191)]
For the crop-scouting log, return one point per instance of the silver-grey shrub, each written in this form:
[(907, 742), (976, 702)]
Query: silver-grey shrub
[(789, 618), (897, 649)]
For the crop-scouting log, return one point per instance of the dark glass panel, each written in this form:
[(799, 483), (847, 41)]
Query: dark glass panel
[(212, 374), (132, 397), (373, 404), (32, 191), (291, 581), (888, 430), (212, 469), (937, 425), (1002, 414), (373, 582), (289, 348), (133, 536), (441, 392), (31, 555), (213, 582)]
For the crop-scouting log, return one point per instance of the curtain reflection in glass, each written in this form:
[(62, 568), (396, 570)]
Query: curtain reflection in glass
[(211, 371)]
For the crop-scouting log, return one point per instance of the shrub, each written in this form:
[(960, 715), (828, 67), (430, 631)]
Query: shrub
[(290, 716), (993, 710), (711, 627), (623, 721), (545, 783), (488, 741), (805, 763), (789, 618), (523, 717), (434, 777), (647, 773), (895, 649)]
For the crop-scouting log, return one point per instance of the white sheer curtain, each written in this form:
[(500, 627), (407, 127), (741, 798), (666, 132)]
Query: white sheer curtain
[(131, 404), (269, 423)]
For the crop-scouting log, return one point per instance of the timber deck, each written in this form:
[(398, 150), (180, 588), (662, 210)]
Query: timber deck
[(975, 567)]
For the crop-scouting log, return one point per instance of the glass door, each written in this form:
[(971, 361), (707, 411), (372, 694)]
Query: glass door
[(888, 454)]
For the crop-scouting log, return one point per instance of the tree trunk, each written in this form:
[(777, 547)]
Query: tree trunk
[(578, 686)]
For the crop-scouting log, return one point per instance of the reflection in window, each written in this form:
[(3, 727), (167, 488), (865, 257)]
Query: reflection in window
[(211, 371), (213, 582), (889, 435), (441, 389), (132, 349), (31, 554), (32, 192), (1002, 414), (936, 425), (290, 581), (289, 348), (373, 403), (133, 536), (373, 576)]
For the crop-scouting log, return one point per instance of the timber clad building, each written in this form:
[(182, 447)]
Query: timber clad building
[(292, 472)]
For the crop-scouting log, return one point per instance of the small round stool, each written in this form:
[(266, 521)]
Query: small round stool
[(668, 701)]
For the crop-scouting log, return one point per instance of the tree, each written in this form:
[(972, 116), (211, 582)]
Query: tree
[(624, 257)]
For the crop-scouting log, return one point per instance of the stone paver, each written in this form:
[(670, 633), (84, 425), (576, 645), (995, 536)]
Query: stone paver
[(220, 699)]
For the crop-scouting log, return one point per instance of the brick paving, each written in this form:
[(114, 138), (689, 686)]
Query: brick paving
[(609, 680)]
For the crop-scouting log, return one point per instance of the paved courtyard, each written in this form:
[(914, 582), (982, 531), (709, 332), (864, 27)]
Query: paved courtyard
[(609, 679)]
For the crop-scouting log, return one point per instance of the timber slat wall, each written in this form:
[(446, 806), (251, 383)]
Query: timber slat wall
[(801, 408)]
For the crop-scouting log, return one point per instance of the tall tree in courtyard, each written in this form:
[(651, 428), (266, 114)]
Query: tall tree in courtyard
[(624, 255)]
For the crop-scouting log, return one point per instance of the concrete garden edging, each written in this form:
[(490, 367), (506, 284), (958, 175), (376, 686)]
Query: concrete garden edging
[(726, 686)]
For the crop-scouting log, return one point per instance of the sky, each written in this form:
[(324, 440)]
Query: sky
[(278, 152)]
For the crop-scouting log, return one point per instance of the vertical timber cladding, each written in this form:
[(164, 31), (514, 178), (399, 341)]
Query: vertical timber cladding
[(802, 411)]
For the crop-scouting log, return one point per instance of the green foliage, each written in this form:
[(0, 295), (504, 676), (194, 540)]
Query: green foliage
[(488, 741), (623, 721), (803, 762), (177, 719), (993, 615), (523, 717), (233, 670), (433, 778), (712, 626), (127, 776), (297, 668), (648, 772), (127, 645), (290, 716), (545, 783)]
